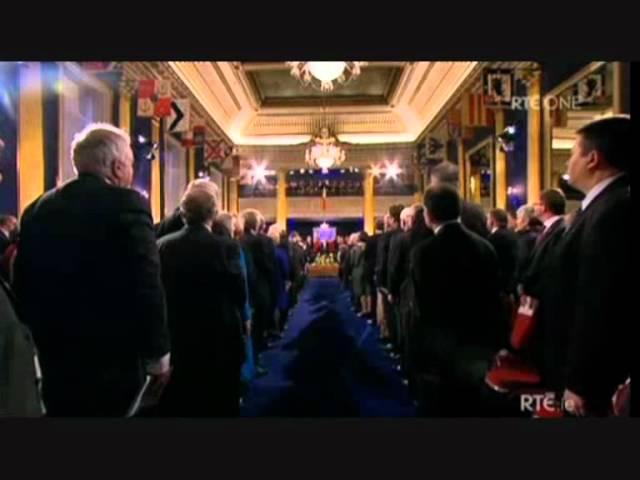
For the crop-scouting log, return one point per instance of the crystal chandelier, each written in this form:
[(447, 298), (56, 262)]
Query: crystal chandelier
[(324, 151), (321, 75)]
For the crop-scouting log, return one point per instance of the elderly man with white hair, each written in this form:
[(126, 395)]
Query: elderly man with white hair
[(174, 222), (206, 295), (87, 280)]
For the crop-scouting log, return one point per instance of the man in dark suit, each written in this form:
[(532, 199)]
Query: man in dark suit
[(201, 270), (455, 278), (370, 256), (551, 210), (528, 228), (471, 214), (8, 225), (505, 243), (414, 231), (87, 280), (382, 273), (261, 266), (588, 346)]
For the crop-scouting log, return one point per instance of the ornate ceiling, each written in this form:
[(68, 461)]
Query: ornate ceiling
[(262, 104)]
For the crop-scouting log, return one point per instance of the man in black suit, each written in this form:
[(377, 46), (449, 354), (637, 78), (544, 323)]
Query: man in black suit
[(588, 346), (8, 227), (382, 273), (471, 214), (528, 228), (505, 243), (262, 269), (550, 210), (370, 257), (414, 231), (455, 278), (201, 270), (87, 280)]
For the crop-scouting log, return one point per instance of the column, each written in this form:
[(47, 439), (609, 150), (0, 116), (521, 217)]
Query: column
[(156, 193), (31, 164), (369, 204), (500, 173), (534, 127), (462, 170), (191, 163), (124, 113), (234, 203), (281, 207)]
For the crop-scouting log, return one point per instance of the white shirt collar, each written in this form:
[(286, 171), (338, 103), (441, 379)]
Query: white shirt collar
[(494, 230), (439, 227), (550, 221), (595, 191), (6, 234)]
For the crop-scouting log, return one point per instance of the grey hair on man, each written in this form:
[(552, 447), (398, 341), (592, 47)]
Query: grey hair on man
[(445, 173), (199, 206), (226, 220), (206, 184), (103, 150)]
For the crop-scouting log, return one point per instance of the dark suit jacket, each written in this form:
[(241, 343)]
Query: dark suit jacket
[(382, 258), (473, 217), (505, 243), (455, 280), (261, 255), (537, 274), (4, 243), (87, 280), (201, 270), (400, 262), (170, 224), (526, 243), (588, 344), (370, 256)]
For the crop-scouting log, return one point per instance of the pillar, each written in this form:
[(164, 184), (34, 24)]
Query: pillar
[(124, 113), (155, 194), (369, 204), (234, 202), (462, 170), (534, 158), (31, 161), (500, 173), (191, 163), (281, 207)]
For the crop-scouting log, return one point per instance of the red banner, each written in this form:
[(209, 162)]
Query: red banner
[(146, 88), (163, 107)]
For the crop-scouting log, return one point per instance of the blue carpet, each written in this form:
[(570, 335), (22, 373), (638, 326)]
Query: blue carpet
[(328, 364)]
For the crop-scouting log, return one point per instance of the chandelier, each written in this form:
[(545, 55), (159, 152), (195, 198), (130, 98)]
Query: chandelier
[(321, 75), (324, 151)]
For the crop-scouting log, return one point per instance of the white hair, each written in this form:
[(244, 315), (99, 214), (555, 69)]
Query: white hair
[(526, 212), (97, 147), (207, 185), (274, 233)]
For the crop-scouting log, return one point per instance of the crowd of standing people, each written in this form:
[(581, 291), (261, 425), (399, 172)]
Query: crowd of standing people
[(456, 291), (117, 306)]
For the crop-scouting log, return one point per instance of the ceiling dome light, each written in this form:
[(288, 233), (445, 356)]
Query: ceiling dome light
[(326, 71)]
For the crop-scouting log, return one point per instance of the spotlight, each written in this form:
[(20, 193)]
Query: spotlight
[(376, 171), (392, 171), (507, 138)]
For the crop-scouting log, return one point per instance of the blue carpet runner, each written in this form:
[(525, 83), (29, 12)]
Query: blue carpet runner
[(328, 364)]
